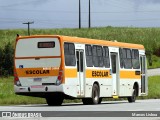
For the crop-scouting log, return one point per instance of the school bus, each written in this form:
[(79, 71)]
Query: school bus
[(58, 67)]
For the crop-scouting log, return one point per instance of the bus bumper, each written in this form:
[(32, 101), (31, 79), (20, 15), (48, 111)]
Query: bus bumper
[(29, 90)]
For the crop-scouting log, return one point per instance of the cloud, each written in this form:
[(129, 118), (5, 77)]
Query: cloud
[(146, 1), (8, 4), (139, 3), (151, 1), (40, 2)]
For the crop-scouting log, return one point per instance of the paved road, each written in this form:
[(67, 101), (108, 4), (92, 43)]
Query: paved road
[(108, 107), (139, 105), (152, 72)]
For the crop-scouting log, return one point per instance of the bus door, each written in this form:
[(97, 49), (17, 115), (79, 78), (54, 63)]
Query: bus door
[(144, 82), (80, 71), (115, 73)]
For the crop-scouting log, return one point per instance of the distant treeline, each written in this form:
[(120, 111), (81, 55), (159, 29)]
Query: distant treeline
[(6, 60)]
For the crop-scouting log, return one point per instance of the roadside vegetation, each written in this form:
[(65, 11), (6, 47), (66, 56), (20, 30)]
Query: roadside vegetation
[(153, 87), (149, 37), (8, 97), (155, 62)]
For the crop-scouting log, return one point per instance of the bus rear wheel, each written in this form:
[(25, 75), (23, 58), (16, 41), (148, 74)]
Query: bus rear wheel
[(95, 94), (55, 101), (95, 97)]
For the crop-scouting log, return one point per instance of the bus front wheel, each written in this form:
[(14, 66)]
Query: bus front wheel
[(133, 97), (95, 94)]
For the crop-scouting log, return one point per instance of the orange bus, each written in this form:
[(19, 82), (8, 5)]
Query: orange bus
[(59, 67)]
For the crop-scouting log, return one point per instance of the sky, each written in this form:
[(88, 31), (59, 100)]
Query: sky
[(65, 13)]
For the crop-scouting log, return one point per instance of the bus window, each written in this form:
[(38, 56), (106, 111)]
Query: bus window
[(99, 55), (135, 59), (89, 60), (95, 57), (113, 59), (77, 55), (69, 52), (121, 57), (127, 58), (106, 60), (81, 61)]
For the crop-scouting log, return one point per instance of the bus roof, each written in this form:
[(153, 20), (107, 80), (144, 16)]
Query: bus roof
[(88, 41)]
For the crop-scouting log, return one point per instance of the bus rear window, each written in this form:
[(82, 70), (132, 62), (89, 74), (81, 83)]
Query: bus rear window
[(50, 44)]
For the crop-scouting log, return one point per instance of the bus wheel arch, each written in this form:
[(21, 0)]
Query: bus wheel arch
[(132, 98)]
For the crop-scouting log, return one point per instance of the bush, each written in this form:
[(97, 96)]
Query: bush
[(6, 58), (1, 59)]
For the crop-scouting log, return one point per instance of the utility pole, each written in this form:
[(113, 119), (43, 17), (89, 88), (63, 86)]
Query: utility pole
[(89, 22), (28, 23), (79, 14)]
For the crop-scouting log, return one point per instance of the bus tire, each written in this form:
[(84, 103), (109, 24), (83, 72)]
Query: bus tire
[(95, 94), (95, 97), (54, 101), (132, 98)]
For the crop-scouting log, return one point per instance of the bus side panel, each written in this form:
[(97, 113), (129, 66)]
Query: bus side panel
[(126, 86), (105, 90), (104, 82), (127, 80), (71, 82)]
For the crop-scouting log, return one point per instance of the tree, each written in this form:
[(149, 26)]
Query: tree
[(7, 60), (1, 60)]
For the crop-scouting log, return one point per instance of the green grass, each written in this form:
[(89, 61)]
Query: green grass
[(8, 97), (154, 87), (149, 37), (155, 62)]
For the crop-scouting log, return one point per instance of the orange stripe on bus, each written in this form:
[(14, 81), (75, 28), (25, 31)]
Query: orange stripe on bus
[(129, 74), (36, 72), (71, 73), (98, 74)]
